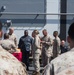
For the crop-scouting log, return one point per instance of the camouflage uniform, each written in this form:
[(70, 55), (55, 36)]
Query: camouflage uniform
[(8, 45), (36, 53), (14, 39), (46, 49), (64, 63), (56, 47), (9, 65)]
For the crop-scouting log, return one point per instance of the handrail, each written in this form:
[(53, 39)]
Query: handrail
[(23, 13)]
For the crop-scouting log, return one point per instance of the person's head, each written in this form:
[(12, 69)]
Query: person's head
[(35, 32), (11, 30), (26, 32), (44, 32), (62, 42), (55, 33), (6, 36), (70, 37)]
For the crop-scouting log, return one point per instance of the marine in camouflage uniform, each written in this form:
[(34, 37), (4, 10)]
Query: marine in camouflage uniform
[(8, 44), (46, 41), (64, 63), (56, 44), (9, 65), (12, 36), (36, 52)]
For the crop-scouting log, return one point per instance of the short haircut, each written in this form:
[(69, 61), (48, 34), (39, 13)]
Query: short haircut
[(71, 31), (44, 30), (55, 32), (25, 30), (6, 36), (11, 28)]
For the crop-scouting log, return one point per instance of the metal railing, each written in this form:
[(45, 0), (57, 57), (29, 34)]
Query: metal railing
[(22, 13), (25, 13)]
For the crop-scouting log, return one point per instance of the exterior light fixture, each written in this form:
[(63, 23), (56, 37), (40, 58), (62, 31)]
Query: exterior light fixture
[(3, 7)]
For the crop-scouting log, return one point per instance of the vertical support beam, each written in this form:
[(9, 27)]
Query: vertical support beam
[(63, 9), (45, 9)]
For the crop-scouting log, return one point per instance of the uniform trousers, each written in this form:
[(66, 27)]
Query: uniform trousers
[(46, 57), (36, 62)]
